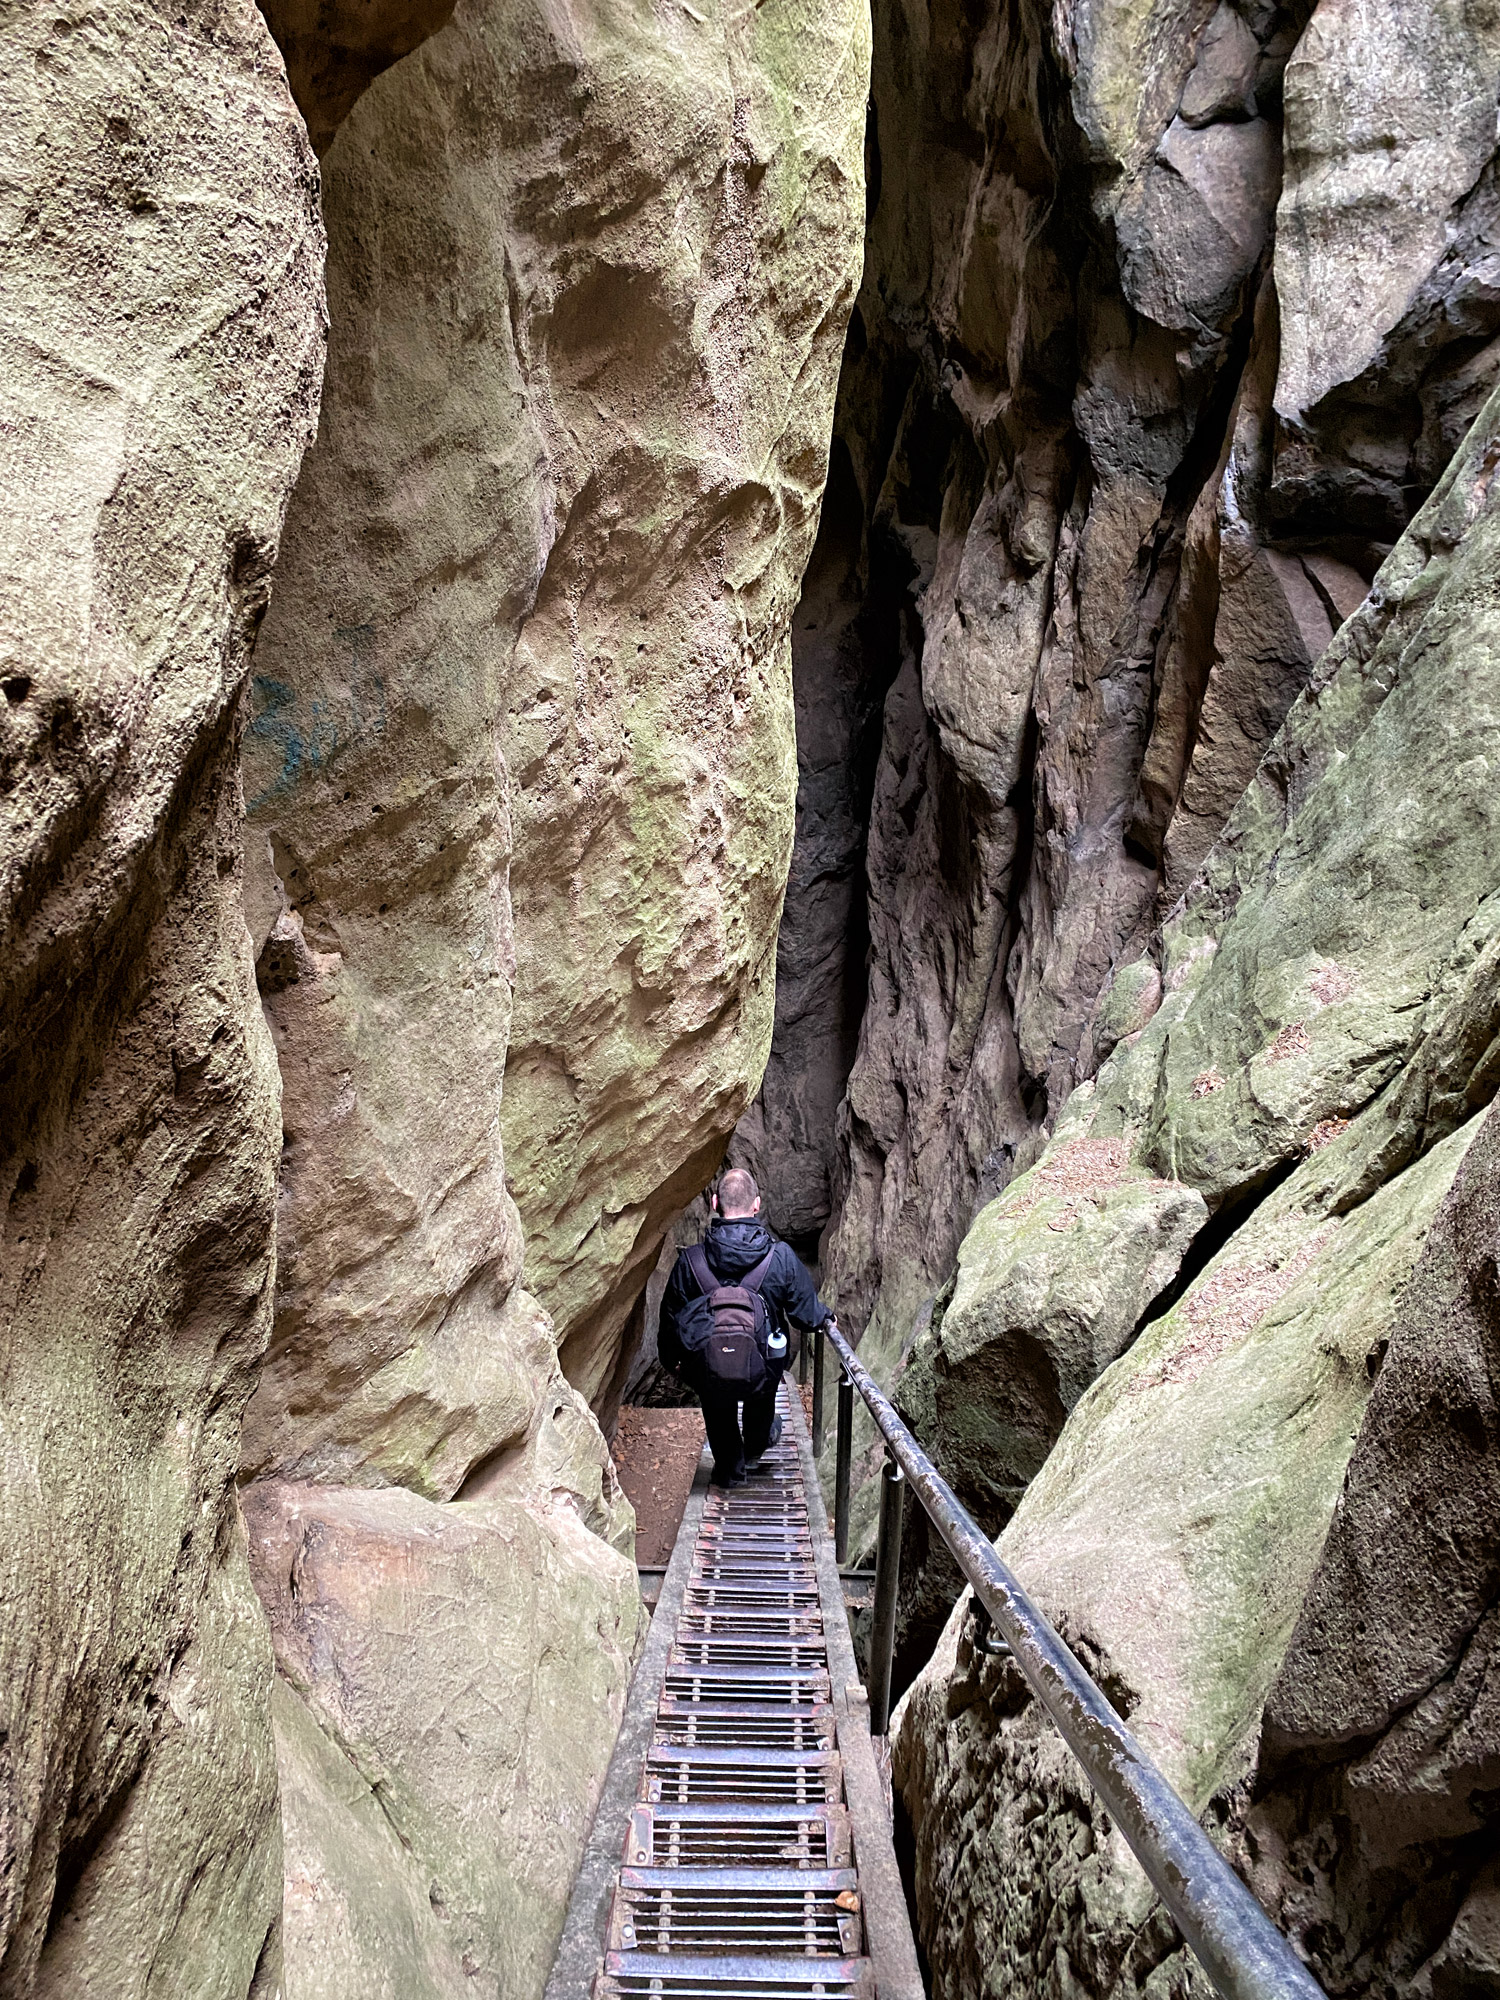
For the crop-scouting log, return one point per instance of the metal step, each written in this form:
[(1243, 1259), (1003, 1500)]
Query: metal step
[(812, 1912), (719, 1834), (725, 1681), (732, 1649), (643, 1975), (772, 1591), (776, 1615), (706, 1771), (762, 1724)]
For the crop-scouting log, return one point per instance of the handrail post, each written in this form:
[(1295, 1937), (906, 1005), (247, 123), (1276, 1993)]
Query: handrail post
[(887, 1582), (845, 1452), (820, 1350)]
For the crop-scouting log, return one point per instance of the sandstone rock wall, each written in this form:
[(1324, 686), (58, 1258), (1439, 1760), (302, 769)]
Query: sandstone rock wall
[(519, 771), (1171, 317), (573, 643), (163, 335), (1279, 1135), (451, 1681), (1382, 1739), (1175, 1022), (841, 635), (519, 779), (691, 356)]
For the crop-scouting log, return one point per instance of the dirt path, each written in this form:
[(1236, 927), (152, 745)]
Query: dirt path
[(656, 1454)]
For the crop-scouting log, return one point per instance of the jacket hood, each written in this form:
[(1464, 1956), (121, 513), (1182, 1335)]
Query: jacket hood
[(735, 1247)]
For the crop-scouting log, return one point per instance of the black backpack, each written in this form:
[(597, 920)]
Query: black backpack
[(724, 1331)]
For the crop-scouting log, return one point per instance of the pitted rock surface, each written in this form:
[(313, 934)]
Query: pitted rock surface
[(522, 749), (163, 338), (1316, 1073)]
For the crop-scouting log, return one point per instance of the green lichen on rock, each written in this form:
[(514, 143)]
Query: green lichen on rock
[(1333, 958), (1215, 1451), (1053, 1278), (1170, 1535), (1322, 1050)]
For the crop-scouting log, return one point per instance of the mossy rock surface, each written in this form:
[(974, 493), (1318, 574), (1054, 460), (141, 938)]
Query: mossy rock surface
[(1310, 1083)]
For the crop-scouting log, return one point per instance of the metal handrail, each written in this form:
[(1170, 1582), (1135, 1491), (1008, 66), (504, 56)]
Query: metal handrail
[(1234, 1940)]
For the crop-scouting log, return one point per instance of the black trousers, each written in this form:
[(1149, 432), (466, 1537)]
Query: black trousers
[(721, 1419)]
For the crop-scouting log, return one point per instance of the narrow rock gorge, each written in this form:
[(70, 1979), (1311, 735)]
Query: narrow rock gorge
[(908, 600), (1169, 952), (386, 968)]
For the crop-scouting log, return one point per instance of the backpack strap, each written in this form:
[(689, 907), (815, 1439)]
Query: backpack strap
[(753, 1280), (699, 1266), (702, 1270)]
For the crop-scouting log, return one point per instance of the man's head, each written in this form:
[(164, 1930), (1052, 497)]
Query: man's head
[(739, 1197)]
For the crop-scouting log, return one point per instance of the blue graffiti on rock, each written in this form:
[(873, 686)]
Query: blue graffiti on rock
[(309, 733)]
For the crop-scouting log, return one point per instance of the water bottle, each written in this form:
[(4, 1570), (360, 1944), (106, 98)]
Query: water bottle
[(776, 1347)]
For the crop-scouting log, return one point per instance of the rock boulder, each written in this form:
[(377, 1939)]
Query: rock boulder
[(459, 1667)]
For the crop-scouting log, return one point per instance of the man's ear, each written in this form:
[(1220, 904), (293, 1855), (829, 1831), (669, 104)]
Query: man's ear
[(713, 1202), (756, 1209)]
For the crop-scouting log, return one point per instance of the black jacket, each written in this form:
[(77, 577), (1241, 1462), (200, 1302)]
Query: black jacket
[(732, 1249)]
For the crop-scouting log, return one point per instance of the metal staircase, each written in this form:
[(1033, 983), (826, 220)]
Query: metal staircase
[(742, 1849)]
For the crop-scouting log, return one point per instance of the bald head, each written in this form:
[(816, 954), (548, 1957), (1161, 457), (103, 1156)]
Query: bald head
[(738, 1195)]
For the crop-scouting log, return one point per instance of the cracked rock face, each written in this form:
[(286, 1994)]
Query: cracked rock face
[(164, 340), (1173, 934), (1110, 519), (1386, 252), (1313, 1078)]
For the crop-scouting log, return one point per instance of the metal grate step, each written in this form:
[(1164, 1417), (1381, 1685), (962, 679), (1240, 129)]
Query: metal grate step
[(718, 1681), (644, 1975), (777, 1518), (746, 1835), (683, 1773), (811, 1912), (714, 1572), (797, 1620), (761, 1725), (727, 1650), (753, 1597), (770, 1542)]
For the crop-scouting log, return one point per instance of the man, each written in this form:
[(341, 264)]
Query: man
[(737, 1248)]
